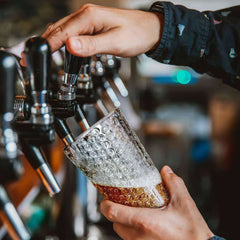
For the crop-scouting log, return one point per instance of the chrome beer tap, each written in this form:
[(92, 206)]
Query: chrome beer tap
[(112, 65), (8, 138), (11, 218), (72, 67), (10, 165), (64, 100), (87, 94), (100, 81), (38, 130)]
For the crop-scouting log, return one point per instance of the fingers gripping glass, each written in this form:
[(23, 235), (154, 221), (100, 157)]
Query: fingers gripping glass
[(113, 159)]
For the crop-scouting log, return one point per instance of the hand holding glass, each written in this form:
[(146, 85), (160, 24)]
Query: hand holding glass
[(113, 159)]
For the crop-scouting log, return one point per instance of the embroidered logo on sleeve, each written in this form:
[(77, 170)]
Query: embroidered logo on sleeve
[(180, 29), (232, 53)]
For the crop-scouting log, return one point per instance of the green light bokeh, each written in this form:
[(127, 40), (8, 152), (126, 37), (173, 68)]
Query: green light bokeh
[(183, 77)]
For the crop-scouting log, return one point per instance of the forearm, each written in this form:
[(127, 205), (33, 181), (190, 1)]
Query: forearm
[(206, 41)]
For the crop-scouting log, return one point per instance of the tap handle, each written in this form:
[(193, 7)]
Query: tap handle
[(37, 54), (86, 66), (72, 63), (8, 78), (118, 63)]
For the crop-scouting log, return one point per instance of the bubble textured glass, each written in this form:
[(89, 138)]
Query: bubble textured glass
[(113, 159)]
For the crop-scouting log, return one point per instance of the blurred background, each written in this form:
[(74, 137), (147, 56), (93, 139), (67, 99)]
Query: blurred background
[(186, 120)]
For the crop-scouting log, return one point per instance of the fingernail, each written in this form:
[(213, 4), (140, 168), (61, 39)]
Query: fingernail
[(75, 44), (168, 169), (48, 25)]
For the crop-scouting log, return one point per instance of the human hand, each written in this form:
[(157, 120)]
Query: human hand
[(180, 220), (95, 29)]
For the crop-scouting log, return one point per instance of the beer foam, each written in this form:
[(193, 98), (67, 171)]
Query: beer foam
[(145, 180)]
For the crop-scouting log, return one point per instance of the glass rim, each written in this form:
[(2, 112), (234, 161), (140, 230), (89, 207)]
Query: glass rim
[(85, 133)]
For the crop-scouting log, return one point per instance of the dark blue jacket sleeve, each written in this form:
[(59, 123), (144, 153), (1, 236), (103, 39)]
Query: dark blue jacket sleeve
[(209, 41), (217, 238)]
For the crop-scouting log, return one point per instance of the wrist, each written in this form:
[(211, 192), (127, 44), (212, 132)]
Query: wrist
[(158, 10), (202, 232), (160, 17)]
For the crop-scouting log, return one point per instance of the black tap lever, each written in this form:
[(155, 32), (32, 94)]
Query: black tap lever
[(67, 98), (72, 67), (37, 54), (39, 130)]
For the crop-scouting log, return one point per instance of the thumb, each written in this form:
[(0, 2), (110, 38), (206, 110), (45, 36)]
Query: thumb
[(119, 213), (85, 45), (174, 184)]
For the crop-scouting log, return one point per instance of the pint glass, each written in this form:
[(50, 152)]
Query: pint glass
[(113, 159)]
